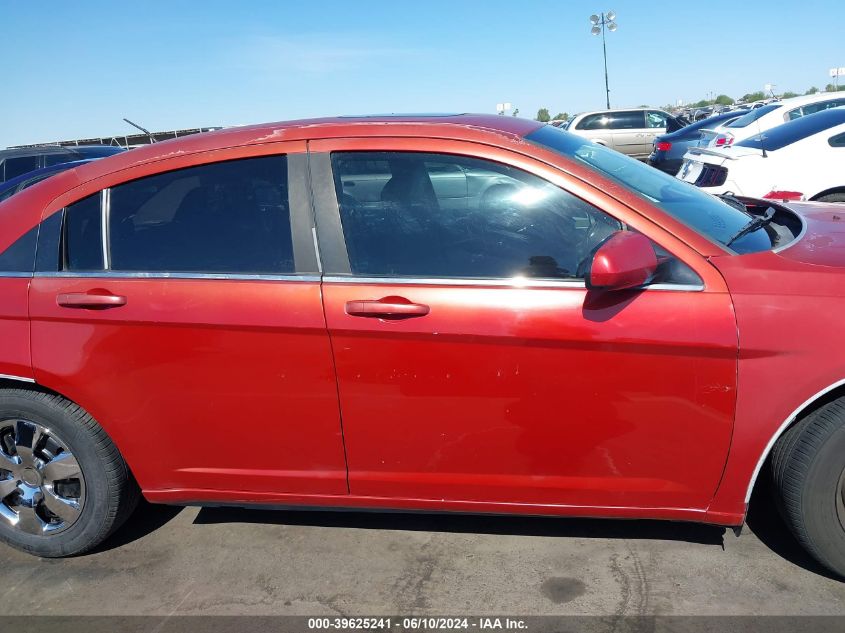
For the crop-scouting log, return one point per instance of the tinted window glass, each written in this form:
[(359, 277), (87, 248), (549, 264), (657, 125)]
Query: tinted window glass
[(654, 118), (748, 119), (20, 256), (56, 159), (227, 217), (796, 130), (432, 215), (83, 236), (21, 165), (593, 122), (705, 213), (837, 141), (95, 151), (633, 120)]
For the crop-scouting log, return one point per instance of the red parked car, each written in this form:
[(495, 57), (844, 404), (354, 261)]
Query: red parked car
[(468, 313)]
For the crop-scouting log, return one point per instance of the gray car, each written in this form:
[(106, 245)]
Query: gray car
[(631, 131)]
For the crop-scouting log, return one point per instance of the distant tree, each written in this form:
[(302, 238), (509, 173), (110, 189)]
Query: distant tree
[(644, 105), (753, 96), (515, 111), (789, 94), (562, 116), (700, 104), (543, 115), (724, 100), (812, 91), (833, 88)]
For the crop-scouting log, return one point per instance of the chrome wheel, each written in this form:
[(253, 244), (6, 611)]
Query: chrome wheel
[(42, 489)]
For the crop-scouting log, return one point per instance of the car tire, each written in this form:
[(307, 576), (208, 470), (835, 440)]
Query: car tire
[(64, 485), (831, 197), (808, 468)]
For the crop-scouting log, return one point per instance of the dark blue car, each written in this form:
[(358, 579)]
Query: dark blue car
[(19, 183), (669, 149), (19, 161)]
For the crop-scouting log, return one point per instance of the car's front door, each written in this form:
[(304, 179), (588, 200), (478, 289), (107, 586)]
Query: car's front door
[(181, 310), (474, 365), (628, 129)]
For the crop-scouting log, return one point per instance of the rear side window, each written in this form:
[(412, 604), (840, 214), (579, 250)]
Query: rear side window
[(435, 215), (837, 141), (633, 120), (228, 217), (82, 243)]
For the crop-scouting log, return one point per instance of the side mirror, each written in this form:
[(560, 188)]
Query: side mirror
[(624, 260)]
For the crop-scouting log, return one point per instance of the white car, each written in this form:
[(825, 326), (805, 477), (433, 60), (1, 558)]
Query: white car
[(800, 160), (770, 115)]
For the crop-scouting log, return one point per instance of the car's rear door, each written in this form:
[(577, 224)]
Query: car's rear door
[(182, 309), (629, 133), (473, 364)]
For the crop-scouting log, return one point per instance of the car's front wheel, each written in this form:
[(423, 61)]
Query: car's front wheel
[(64, 487), (808, 467)]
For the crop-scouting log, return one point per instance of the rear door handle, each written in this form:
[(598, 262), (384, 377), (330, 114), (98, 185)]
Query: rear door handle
[(387, 308), (90, 300)]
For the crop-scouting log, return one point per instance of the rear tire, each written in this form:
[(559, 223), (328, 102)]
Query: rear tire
[(65, 487), (832, 197), (808, 468)]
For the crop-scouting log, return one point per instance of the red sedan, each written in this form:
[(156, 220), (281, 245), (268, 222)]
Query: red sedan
[(466, 313)]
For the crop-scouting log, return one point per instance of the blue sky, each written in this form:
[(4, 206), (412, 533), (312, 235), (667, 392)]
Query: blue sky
[(74, 69)]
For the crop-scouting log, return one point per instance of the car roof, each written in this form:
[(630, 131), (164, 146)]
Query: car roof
[(478, 127), (619, 110), (803, 99)]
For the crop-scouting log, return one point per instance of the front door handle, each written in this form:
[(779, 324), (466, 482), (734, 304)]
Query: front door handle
[(93, 300), (387, 308)]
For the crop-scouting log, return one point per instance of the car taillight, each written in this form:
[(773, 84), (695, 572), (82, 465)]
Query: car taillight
[(785, 196), (724, 140), (663, 146)]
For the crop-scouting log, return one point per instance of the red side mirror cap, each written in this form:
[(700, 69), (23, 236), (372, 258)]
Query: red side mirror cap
[(624, 260)]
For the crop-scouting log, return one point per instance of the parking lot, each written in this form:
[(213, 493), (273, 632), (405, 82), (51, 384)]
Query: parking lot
[(190, 561)]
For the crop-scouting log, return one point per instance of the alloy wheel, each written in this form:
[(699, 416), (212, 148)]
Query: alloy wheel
[(42, 488)]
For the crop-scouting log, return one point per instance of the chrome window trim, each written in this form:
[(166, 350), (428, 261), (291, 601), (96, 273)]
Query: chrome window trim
[(14, 274), (18, 378), (497, 282), (112, 274), (105, 212), (317, 249)]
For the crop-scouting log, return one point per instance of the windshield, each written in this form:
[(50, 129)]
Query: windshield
[(747, 119), (796, 130), (697, 209)]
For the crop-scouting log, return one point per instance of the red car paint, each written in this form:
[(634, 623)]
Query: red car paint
[(475, 397)]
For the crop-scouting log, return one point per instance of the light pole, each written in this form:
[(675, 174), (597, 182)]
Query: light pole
[(606, 20)]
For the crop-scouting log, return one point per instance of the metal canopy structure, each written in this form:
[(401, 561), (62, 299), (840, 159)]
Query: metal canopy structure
[(126, 140)]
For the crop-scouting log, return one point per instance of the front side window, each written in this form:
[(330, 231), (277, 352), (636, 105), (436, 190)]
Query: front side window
[(435, 215), (228, 217), (655, 119), (593, 122)]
